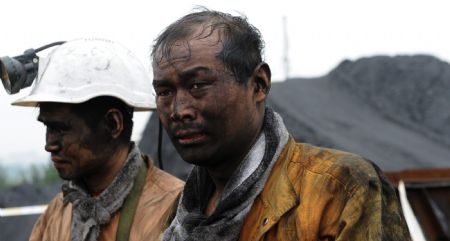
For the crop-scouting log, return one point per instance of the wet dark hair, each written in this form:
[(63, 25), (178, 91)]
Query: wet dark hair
[(242, 42), (93, 110)]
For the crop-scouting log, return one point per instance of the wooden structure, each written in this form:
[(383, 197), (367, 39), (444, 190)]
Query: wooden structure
[(426, 192)]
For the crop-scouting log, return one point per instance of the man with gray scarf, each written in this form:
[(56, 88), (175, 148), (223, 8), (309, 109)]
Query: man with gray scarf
[(87, 90), (251, 181)]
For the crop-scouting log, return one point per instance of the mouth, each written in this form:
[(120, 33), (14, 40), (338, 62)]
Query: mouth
[(186, 138), (58, 162)]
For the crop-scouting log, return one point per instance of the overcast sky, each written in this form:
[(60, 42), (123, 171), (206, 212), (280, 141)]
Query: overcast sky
[(320, 35)]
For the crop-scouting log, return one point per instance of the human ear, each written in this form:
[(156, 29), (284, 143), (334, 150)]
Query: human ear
[(114, 123), (262, 79)]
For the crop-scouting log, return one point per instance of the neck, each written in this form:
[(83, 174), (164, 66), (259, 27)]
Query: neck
[(221, 174), (223, 170), (100, 180)]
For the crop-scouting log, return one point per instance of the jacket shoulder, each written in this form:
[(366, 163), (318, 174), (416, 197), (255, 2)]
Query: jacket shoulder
[(54, 223), (161, 184), (56, 205), (165, 181), (157, 204), (346, 169)]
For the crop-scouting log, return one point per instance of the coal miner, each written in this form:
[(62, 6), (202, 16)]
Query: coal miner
[(251, 180), (86, 91)]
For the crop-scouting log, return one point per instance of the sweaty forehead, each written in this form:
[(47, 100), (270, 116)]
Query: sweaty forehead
[(202, 43)]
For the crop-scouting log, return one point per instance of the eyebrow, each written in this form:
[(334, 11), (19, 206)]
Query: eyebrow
[(184, 74), (194, 70), (46, 121)]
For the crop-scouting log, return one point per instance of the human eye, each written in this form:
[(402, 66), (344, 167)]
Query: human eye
[(163, 88), (163, 91), (199, 88), (58, 128), (198, 85)]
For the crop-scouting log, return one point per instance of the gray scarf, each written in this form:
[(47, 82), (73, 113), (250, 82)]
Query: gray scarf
[(90, 213), (225, 223)]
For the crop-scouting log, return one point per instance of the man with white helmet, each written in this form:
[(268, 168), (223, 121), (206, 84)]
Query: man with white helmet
[(87, 91)]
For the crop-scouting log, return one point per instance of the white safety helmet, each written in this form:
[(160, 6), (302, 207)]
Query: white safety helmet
[(82, 69)]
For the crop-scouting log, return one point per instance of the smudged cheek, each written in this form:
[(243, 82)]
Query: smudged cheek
[(80, 156), (216, 115), (164, 113)]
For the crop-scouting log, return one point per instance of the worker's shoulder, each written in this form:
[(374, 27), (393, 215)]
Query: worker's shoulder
[(166, 180), (163, 181), (348, 169), (57, 207), (57, 201)]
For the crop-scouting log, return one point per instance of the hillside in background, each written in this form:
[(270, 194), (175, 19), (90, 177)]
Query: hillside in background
[(394, 111)]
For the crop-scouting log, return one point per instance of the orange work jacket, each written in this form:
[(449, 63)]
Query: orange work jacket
[(156, 206), (323, 194)]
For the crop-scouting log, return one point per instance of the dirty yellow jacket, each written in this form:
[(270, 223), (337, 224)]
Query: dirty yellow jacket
[(322, 194), (156, 206)]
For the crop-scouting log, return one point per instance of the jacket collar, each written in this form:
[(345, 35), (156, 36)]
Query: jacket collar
[(278, 195), (279, 180)]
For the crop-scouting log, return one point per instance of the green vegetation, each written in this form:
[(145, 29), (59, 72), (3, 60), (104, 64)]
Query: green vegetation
[(37, 174), (4, 180)]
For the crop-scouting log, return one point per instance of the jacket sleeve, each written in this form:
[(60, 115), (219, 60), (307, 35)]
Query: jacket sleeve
[(373, 212), (54, 223), (38, 230)]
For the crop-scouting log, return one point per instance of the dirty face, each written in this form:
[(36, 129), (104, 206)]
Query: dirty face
[(211, 119), (76, 151)]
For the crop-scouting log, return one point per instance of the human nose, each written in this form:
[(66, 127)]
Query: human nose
[(182, 108), (52, 142)]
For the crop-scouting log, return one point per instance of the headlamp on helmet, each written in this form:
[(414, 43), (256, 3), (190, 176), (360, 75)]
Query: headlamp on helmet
[(20, 71)]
